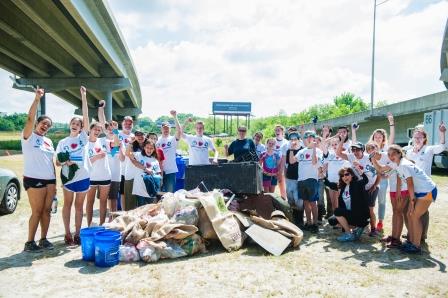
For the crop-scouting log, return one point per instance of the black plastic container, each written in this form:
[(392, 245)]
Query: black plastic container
[(240, 178)]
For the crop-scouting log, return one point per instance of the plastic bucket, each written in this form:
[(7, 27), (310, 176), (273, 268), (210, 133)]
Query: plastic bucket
[(180, 162), (107, 245), (88, 243)]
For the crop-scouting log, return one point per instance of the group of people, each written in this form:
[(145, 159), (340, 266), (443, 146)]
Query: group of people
[(353, 176), (99, 161)]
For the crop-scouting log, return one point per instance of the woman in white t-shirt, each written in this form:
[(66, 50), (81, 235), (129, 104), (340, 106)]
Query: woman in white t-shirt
[(115, 156), (72, 156), (150, 172), (379, 136), (422, 193), (39, 179), (130, 200)]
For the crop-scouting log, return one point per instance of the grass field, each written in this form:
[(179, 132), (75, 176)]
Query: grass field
[(321, 267), (9, 135)]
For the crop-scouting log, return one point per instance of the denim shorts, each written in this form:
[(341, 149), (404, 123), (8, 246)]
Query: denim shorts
[(269, 181), (309, 190)]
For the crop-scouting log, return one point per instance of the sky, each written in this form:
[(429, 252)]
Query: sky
[(280, 55)]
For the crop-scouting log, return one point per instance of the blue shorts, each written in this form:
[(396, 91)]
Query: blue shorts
[(78, 186), (269, 181), (430, 196), (309, 190)]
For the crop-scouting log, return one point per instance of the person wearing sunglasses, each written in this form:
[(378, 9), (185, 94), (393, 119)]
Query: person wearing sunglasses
[(242, 149), (352, 212), (358, 156)]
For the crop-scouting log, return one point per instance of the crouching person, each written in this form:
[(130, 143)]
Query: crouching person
[(352, 212), (147, 183)]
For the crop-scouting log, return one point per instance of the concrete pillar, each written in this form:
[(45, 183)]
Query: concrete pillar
[(42, 110), (108, 109)]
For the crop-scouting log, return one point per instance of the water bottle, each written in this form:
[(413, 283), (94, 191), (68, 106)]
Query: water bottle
[(54, 205)]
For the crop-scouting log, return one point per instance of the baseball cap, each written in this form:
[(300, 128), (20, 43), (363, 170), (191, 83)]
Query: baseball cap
[(309, 133), (166, 123), (294, 135), (128, 118), (358, 145)]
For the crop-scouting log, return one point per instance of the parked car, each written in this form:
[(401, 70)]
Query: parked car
[(9, 191)]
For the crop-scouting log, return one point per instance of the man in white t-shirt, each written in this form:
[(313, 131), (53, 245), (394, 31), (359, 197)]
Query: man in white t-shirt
[(168, 144), (199, 146)]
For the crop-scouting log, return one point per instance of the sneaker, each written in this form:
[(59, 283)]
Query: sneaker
[(314, 229), (45, 244), (328, 215), (358, 233), (373, 233), (412, 249), (405, 244), (76, 240), (387, 239), (31, 246), (307, 227), (346, 237), (379, 227), (395, 243)]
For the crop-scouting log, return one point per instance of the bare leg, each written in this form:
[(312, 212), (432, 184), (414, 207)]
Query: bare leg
[(112, 207), (45, 218), (372, 218), (421, 207), (308, 211), (314, 211), (90, 202), (104, 192), (79, 205), (343, 222), (66, 210), (272, 189), (36, 198)]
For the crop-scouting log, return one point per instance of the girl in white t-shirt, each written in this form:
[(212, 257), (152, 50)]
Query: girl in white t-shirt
[(115, 156), (149, 169), (75, 147), (422, 193), (379, 136), (130, 201), (39, 179)]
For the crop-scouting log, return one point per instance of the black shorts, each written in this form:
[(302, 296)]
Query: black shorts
[(36, 183), (122, 185), (371, 197), (114, 190), (99, 183)]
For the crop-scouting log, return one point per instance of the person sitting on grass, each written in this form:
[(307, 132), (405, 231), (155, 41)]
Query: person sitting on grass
[(352, 212)]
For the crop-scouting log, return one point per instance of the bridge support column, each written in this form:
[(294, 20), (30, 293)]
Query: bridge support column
[(108, 109), (42, 110)]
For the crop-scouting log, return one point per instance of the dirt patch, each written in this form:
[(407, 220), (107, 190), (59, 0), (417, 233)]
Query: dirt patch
[(321, 267)]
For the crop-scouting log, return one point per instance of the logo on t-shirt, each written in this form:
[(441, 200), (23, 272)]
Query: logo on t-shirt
[(74, 146), (307, 156)]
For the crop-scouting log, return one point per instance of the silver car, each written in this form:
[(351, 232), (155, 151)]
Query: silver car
[(9, 191)]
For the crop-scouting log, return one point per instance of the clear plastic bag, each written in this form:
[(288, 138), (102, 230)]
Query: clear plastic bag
[(188, 216), (149, 253), (128, 253), (172, 251)]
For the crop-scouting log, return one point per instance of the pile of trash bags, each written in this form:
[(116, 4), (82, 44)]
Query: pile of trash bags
[(182, 223)]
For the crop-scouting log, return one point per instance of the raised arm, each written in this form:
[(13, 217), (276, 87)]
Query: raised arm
[(442, 131), (176, 122), (101, 115), (340, 150), (29, 125), (354, 128), (188, 121), (379, 167), (85, 109), (314, 156), (390, 117)]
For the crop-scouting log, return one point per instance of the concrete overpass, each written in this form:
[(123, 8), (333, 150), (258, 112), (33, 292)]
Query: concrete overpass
[(407, 115), (444, 57), (62, 44)]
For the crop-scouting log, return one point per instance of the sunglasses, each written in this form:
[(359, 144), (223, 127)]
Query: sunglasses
[(356, 149), (346, 175)]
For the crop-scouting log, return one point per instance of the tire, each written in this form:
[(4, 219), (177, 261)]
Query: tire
[(10, 199)]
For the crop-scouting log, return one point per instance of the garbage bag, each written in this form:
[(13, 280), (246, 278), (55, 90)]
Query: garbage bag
[(188, 216), (205, 226), (193, 244), (150, 251), (129, 253), (172, 251)]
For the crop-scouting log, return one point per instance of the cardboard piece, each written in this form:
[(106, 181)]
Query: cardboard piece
[(272, 241)]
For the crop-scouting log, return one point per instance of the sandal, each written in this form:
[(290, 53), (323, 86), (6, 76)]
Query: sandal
[(76, 240), (68, 239)]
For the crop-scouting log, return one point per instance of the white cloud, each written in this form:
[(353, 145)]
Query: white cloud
[(279, 54)]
